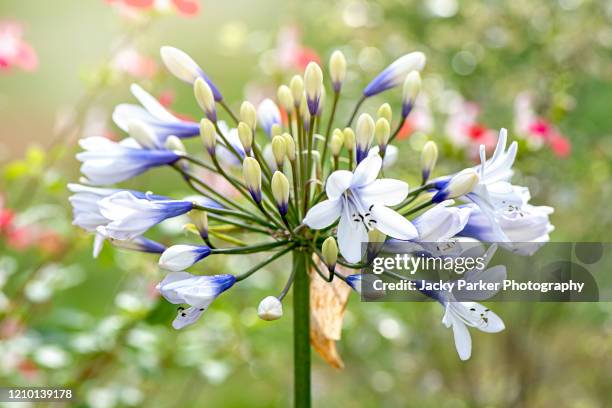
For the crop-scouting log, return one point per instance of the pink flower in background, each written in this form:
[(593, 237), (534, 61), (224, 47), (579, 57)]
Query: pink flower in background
[(14, 51), (292, 55), (185, 8), (133, 63), (537, 130), (464, 130)]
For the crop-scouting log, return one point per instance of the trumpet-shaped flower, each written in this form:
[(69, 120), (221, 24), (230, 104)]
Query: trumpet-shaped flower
[(130, 215), (361, 202), (196, 291), (185, 68), (180, 257), (108, 162), (268, 115), (395, 73), (442, 222), (154, 115)]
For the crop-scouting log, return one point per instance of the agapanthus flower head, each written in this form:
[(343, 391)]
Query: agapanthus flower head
[(395, 73)]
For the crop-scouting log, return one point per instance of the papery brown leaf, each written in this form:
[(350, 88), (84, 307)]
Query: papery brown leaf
[(327, 305)]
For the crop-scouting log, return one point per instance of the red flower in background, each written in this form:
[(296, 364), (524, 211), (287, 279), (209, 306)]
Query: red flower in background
[(14, 51), (186, 8)]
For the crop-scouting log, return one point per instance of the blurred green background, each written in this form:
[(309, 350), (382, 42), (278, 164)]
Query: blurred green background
[(95, 325)]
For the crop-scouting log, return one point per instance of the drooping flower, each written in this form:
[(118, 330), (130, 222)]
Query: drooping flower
[(108, 162), (268, 115), (14, 51), (180, 257), (130, 216), (395, 73), (154, 115), (196, 291), (459, 315), (360, 200)]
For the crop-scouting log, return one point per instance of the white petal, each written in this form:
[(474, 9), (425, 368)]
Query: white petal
[(351, 236), (187, 317), (463, 341), (323, 214), (178, 257), (152, 105), (367, 171), (98, 244), (391, 223), (384, 191), (337, 183), (495, 324)]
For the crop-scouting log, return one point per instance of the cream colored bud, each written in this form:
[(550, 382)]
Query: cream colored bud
[(279, 149), (276, 130), (142, 134), (337, 69), (245, 134), (208, 135), (200, 220), (270, 308), (412, 86), (382, 132), (336, 143), (248, 114), (251, 171), (385, 112), (304, 110), (290, 146), (205, 97), (313, 85), (349, 139), (329, 251), (285, 98), (297, 89), (365, 132), (429, 156), (280, 191), (461, 184), (175, 144), (321, 102)]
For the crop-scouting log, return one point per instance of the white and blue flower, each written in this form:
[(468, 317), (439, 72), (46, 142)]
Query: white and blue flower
[(108, 162), (154, 115), (395, 73), (196, 291), (180, 257), (361, 202), (268, 115), (130, 215)]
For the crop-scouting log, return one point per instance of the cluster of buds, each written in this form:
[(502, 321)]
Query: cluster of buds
[(309, 184)]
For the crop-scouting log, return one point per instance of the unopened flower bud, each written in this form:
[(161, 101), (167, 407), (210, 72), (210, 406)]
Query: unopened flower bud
[(349, 139), (279, 150), (337, 69), (313, 84), (336, 143), (461, 184), (385, 112), (321, 102), (364, 135), (382, 133), (208, 135), (280, 191), (248, 114), (395, 73), (276, 130), (245, 134), (285, 98), (329, 250), (297, 89), (429, 156), (200, 220), (175, 144), (290, 146), (142, 134), (304, 112), (270, 308), (204, 95), (251, 171), (412, 87)]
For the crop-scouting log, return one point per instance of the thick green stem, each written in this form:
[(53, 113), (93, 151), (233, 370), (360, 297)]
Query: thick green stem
[(301, 329)]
